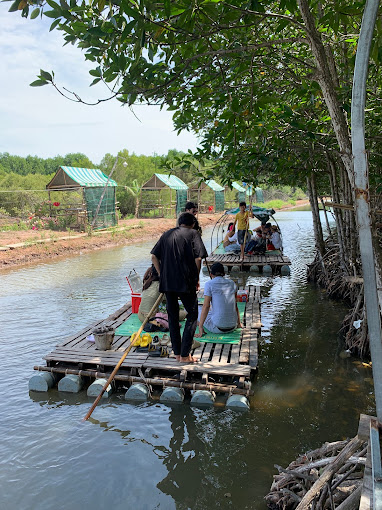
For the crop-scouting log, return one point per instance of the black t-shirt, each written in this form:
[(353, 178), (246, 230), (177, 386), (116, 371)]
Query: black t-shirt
[(177, 250), (197, 227)]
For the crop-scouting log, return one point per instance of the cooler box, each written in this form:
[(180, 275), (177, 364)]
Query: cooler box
[(242, 296), (135, 284)]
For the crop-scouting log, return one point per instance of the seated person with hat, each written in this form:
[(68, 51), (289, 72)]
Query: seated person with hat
[(220, 313)]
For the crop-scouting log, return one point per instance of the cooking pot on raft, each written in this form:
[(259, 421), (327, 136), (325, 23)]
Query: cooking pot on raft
[(103, 337)]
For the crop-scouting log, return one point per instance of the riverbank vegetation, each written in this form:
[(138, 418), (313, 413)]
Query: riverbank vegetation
[(24, 200)]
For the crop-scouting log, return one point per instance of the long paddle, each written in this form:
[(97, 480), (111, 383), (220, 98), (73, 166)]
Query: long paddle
[(111, 377)]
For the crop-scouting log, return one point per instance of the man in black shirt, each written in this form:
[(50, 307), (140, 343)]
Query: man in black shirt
[(177, 257)]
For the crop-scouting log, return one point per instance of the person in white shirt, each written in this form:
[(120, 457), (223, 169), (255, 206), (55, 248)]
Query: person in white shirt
[(230, 241), (220, 313), (276, 238)]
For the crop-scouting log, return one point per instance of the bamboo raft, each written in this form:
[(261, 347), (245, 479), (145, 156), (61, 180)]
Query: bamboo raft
[(223, 368), (230, 260)]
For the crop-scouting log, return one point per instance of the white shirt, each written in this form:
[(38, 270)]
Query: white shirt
[(223, 301), (276, 240)]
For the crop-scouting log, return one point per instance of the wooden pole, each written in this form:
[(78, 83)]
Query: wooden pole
[(246, 230), (123, 357)]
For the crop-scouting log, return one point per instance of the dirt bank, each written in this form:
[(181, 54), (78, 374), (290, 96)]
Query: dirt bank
[(24, 247), (21, 247)]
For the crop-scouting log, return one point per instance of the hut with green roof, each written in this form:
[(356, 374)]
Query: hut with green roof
[(208, 194), (163, 196), (92, 200)]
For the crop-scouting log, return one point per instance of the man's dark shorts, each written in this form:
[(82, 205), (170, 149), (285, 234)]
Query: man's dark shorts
[(241, 236)]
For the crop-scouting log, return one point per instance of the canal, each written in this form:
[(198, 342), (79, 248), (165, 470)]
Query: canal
[(150, 456)]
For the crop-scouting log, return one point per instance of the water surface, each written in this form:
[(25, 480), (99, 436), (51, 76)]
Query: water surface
[(150, 456)]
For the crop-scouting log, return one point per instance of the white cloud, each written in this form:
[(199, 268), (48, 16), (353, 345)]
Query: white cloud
[(40, 122)]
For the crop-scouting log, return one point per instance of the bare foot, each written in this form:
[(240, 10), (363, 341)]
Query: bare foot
[(177, 357), (188, 359)]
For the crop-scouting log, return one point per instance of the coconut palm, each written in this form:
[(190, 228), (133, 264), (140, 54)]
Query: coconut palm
[(135, 190)]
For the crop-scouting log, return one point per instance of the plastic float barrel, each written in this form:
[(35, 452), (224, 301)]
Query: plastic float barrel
[(285, 270), (203, 398), (137, 391), (267, 269), (71, 383), (172, 396), (238, 402), (95, 389), (42, 381), (205, 269), (254, 269), (226, 269), (235, 269)]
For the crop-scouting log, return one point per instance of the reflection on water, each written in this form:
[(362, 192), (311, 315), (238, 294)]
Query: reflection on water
[(150, 456)]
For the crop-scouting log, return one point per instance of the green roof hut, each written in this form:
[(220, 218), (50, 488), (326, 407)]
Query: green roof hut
[(163, 196), (93, 201)]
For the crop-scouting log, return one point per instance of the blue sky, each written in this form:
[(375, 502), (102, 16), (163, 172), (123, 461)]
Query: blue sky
[(38, 121)]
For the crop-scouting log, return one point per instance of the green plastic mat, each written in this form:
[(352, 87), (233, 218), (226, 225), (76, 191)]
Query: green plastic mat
[(132, 324)]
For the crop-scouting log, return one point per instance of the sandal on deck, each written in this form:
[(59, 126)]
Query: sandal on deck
[(161, 352), (165, 340)]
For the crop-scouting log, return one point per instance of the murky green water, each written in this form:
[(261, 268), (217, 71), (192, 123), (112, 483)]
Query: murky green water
[(150, 456)]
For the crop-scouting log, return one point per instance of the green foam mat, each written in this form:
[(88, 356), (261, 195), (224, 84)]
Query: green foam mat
[(132, 324)]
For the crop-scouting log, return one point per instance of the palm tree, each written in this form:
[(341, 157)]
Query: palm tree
[(135, 190)]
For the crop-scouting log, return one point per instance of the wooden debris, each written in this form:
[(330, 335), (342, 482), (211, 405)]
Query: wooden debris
[(325, 478)]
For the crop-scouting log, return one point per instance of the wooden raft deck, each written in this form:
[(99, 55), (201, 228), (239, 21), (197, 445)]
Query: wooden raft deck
[(223, 368), (229, 260)]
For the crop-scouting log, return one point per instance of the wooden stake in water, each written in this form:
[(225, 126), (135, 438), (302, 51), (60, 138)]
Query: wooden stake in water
[(123, 357)]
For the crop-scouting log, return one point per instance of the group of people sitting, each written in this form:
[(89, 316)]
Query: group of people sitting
[(244, 241), (264, 237)]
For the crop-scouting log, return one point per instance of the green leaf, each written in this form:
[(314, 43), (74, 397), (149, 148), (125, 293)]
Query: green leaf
[(64, 5), (35, 13), (167, 8), (95, 72), (52, 14), (95, 81), (15, 6), (45, 75), (52, 4), (38, 83), (54, 24)]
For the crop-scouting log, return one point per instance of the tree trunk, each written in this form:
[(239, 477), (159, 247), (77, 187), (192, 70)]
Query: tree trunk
[(319, 240), (338, 216), (327, 78)]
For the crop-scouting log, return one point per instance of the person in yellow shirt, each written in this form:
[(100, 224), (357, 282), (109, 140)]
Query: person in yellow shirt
[(242, 220)]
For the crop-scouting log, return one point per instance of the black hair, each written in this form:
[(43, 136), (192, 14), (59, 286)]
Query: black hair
[(242, 203), (217, 269), (190, 205), (186, 219)]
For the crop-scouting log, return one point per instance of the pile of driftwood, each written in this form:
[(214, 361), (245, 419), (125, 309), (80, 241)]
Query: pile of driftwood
[(327, 478)]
